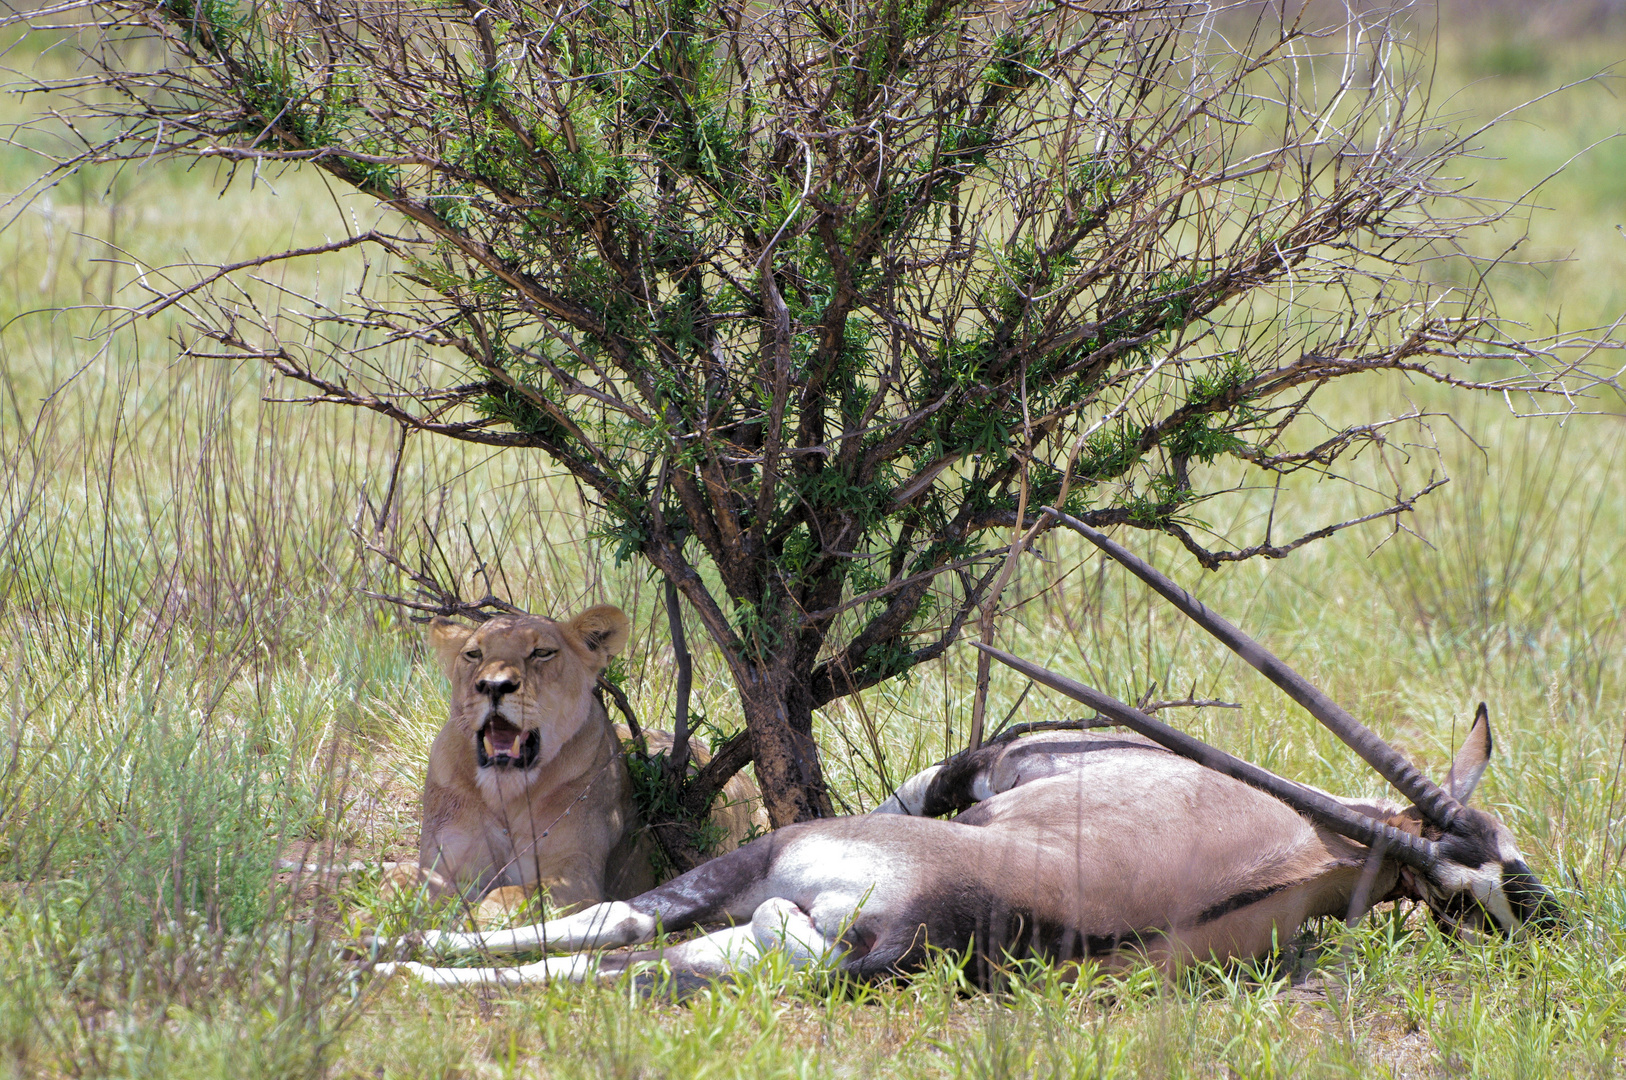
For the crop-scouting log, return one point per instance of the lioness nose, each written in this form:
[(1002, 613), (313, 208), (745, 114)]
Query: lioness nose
[(495, 686)]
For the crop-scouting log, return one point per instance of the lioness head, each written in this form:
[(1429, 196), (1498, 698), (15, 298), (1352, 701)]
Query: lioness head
[(522, 684)]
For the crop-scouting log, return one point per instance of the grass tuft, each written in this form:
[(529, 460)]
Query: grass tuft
[(191, 687)]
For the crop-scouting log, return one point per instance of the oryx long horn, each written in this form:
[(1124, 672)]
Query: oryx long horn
[(1434, 801), (1415, 851)]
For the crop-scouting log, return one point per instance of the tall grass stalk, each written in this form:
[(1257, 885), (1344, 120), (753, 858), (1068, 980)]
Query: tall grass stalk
[(192, 688)]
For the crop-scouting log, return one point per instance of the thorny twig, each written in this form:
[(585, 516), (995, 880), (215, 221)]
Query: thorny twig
[(915, 285)]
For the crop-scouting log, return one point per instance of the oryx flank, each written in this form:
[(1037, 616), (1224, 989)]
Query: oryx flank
[(1066, 846)]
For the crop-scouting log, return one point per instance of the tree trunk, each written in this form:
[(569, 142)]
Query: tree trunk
[(787, 758)]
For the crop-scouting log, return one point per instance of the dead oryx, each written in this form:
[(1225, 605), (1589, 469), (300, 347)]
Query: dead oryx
[(1072, 845)]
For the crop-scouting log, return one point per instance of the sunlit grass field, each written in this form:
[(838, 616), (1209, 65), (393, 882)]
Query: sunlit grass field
[(192, 686)]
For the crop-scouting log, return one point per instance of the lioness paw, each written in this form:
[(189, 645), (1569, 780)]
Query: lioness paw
[(507, 906)]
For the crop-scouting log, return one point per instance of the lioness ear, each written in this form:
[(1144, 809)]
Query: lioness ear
[(1472, 758), (603, 629), (447, 639)]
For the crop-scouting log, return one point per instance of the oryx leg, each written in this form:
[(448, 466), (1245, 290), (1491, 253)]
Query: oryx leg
[(728, 888), (910, 796), (974, 776), (776, 925), (609, 925), (575, 968)]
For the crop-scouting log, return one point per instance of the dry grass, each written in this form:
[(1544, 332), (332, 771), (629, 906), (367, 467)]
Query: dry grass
[(192, 685)]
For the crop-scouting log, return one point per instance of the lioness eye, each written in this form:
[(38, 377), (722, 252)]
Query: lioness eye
[(543, 654), (474, 654)]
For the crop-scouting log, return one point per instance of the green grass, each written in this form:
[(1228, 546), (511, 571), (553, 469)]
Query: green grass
[(191, 686)]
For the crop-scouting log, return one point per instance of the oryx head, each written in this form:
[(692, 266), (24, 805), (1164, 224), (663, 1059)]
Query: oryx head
[(1458, 860), (1477, 879)]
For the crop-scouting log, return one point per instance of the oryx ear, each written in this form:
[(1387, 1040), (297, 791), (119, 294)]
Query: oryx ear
[(1472, 758), (447, 639), (603, 629)]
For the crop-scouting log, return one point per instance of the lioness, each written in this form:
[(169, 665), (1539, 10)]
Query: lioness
[(527, 788)]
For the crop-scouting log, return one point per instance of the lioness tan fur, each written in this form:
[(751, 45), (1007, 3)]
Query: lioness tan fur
[(527, 788)]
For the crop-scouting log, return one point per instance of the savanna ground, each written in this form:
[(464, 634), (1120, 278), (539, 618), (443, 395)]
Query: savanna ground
[(193, 686)]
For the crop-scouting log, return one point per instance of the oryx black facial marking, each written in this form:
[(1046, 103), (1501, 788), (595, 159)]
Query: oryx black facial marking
[(1473, 842), (1530, 900)]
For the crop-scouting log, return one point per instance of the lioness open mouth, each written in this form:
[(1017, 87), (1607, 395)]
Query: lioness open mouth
[(501, 744)]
